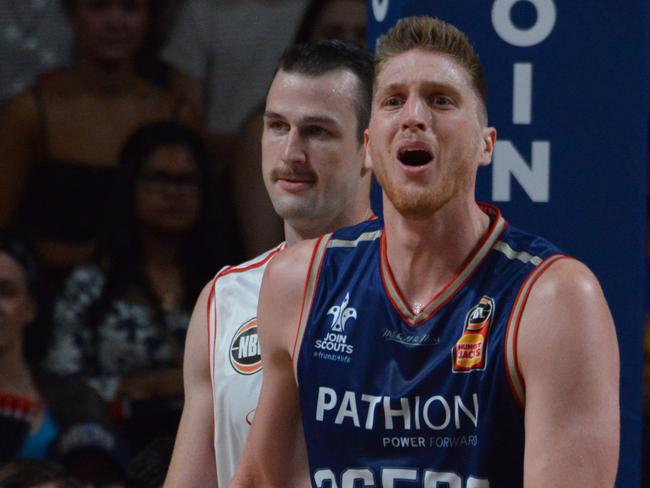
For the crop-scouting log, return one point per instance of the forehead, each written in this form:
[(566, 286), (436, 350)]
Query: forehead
[(298, 96), (417, 67)]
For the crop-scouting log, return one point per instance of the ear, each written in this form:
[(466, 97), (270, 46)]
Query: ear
[(367, 162), (488, 140), (361, 157)]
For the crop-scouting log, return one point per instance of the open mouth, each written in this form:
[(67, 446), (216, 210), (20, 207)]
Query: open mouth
[(414, 157)]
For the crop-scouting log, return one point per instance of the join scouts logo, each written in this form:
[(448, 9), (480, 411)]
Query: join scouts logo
[(245, 356), (334, 346), (342, 313), (470, 351)]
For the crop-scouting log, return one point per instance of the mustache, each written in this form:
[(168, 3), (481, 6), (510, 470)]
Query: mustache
[(289, 173)]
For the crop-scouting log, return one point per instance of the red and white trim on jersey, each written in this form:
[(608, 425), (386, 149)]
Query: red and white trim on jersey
[(256, 263), (515, 378), (497, 226), (236, 382), (313, 272), (212, 301), (212, 317)]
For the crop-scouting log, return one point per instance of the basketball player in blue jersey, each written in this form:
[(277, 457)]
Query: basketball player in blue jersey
[(317, 109), (438, 347)]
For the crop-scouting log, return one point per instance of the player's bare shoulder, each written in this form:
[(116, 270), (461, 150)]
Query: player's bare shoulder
[(567, 313), (569, 284), (284, 286), (288, 270)]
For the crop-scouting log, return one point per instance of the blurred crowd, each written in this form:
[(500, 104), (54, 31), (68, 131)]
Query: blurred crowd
[(130, 175)]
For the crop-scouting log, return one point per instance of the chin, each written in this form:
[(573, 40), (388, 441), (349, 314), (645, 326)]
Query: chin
[(417, 205), (290, 208)]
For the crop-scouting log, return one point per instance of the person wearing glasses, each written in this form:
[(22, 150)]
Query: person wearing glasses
[(120, 321)]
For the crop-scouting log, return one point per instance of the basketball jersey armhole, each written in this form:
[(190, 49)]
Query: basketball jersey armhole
[(211, 314), (211, 308), (311, 282), (511, 360)]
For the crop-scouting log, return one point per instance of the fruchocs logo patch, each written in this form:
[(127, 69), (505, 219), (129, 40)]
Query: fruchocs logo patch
[(470, 351), (245, 356)]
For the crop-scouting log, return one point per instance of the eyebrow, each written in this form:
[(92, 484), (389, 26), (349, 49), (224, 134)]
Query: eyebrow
[(434, 84), (310, 119)]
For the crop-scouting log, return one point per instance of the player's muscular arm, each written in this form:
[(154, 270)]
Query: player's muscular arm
[(568, 356), (193, 463), (275, 454)]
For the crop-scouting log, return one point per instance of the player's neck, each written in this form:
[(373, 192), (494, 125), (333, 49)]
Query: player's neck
[(425, 254), (296, 231)]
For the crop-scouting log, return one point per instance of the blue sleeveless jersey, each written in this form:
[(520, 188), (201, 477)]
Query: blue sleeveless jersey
[(395, 398)]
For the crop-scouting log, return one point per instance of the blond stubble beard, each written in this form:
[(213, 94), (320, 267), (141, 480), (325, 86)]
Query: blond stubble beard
[(422, 203)]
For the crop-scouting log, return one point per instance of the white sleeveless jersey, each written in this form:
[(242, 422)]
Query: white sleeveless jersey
[(235, 362)]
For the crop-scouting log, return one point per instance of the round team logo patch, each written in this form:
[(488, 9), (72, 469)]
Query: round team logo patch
[(479, 316), (245, 355)]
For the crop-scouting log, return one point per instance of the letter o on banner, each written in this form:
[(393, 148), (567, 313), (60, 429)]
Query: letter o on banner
[(502, 22), (380, 9)]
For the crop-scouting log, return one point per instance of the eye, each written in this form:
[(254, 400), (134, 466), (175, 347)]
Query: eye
[(441, 101), (278, 126), (317, 131), (393, 102)]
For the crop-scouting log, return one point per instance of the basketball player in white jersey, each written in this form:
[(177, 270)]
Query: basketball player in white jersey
[(316, 111)]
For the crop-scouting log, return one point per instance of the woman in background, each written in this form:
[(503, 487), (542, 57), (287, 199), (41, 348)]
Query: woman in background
[(35, 406), (60, 141), (121, 320)]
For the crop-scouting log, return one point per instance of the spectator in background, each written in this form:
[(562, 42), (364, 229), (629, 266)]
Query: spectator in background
[(260, 226), (36, 406), (223, 54), (346, 20), (34, 38), (120, 321), (149, 64), (20, 399), (94, 454), (60, 141)]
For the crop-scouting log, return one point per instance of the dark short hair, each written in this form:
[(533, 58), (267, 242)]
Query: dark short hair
[(320, 57)]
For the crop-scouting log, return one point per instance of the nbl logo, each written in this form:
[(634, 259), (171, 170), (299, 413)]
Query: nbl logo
[(245, 356)]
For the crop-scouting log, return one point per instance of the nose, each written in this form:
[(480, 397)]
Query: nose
[(294, 148), (414, 114)]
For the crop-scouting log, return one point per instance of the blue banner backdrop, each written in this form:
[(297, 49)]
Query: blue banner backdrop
[(568, 94)]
